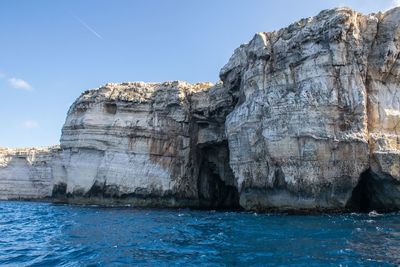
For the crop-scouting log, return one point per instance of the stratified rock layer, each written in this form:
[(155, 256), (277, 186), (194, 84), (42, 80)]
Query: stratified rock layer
[(26, 173), (306, 117), (318, 107), (142, 143)]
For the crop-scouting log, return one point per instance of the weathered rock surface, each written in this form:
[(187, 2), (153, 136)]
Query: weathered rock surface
[(306, 117), (299, 136), (26, 173), (316, 101), (383, 83), (143, 144)]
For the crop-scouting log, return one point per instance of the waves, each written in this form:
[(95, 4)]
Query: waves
[(42, 234)]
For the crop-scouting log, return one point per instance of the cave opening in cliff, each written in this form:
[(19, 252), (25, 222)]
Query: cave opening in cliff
[(110, 108), (216, 181), (362, 196)]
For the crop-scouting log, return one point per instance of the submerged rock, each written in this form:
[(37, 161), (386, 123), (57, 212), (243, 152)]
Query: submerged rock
[(304, 118)]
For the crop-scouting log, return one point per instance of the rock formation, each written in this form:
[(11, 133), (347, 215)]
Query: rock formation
[(145, 144), (383, 107), (306, 117), (318, 109), (27, 173), (299, 136)]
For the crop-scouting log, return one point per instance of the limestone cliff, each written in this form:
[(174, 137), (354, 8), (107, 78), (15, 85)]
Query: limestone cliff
[(306, 117), (144, 144), (27, 173), (383, 106), (318, 109)]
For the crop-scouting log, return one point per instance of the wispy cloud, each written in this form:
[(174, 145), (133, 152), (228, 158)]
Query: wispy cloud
[(16, 83), (30, 124), (84, 24), (19, 84)]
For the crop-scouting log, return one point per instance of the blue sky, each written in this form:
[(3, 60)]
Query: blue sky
[(51, 51)]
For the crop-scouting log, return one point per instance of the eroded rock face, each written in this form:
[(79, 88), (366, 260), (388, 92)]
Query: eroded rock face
[(26, 173), (311, 98), (145, 144), (383, 82), (306, 117), (299, 136)]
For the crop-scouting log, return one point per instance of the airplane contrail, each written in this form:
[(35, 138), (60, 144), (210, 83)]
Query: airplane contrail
[(84, 24)]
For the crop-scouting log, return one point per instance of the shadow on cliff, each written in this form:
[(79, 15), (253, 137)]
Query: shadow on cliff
[(215, 181), (371, 193)]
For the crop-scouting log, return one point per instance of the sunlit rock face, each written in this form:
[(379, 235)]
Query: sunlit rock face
[(140, 142), (26, 173), (312, 97), (383, 83)]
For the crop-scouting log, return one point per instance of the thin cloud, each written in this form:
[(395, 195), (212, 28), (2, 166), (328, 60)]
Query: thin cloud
[(84, 24), (19, 84), (30, 124)]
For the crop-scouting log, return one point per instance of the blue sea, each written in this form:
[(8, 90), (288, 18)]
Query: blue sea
[(44, 234)]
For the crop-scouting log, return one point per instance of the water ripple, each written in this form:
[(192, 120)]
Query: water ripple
[(42, 234)]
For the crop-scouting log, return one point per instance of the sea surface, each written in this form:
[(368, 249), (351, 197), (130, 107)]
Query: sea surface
[(44, 234)]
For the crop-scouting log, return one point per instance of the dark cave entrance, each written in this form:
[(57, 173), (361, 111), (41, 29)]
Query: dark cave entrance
[(215, 185), (374, 191), (361, 197)]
